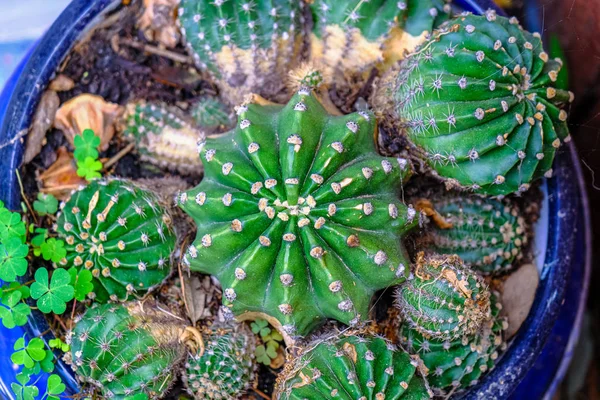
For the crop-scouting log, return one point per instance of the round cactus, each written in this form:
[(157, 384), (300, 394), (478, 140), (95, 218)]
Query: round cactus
[(211, 115), (298, 216), (350, 37), (248, 46), (121, 233), (163, 136), (226, 368), (444, 299), (351, 366), (487, 234), (127, 349), (461, 362), (479, 102)]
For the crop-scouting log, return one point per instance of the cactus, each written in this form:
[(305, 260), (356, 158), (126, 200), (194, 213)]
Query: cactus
[(444, 300), (351, 366), (350, 37), (478, 100), (461, 362), (121, 233), (297, 216), (248, 46), (127, 349), (227, 367), (487, 234), (163, 136), (211, 115)]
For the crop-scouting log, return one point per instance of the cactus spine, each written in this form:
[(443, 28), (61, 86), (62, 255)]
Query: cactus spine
[(127, 349), (296, 212), (121, 233)]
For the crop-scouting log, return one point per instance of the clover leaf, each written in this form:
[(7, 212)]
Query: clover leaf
[(81, 282), (12, 259), (22, 390), (45, 204), (37, 240), (27, 354), (55, 387), (52, 297), (53, 249), (6, 290), (86, 145), (11, 225), (14, 313), (265, 355), (261, 326), (89, 168), (57, 343)]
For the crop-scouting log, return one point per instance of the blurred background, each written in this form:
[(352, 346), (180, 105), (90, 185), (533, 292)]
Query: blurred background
[(572, 24)]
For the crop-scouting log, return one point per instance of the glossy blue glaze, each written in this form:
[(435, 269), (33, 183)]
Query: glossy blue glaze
[(566, 245)]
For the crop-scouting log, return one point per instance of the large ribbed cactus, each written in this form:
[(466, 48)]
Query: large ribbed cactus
[(444, 299), (163, 137), (248, 46), (351, 366), (350, 37), (489, 235), (479, 102), (460, 362), (127, 349), (226, 368), (121, 233), (297, 216)]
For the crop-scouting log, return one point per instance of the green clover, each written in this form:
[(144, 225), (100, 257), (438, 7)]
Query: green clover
[(265, 355), (57, 343), (45, 204), (55, 387), (52, 297), (89, 168), (81, 282), (22, 390), (86, 145), (11, 225), (53, 249), (12, 259), (5, 290), (260, 326), (37, 240), (26, 355), (14, 313)]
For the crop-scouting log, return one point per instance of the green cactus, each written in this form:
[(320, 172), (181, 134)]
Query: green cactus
[(248, 46), (461, 362), (297, 216), (121, 233), (489, 235), (128, 349), (227, 367), (350, 37), (444, 299), (479, 102), (351, 366), (211, 115), (163, 136)]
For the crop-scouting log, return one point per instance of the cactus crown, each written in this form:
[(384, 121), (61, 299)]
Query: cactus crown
[(487, 234), (163, 136), (351, 366), (295, 211), (121, 233), (478, 99), (444, 300), (460, 362), (226, 368), (127, 349)]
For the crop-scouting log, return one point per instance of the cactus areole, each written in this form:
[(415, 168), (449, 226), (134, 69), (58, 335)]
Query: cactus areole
[(298, 216), (479, 101), (121, 233)]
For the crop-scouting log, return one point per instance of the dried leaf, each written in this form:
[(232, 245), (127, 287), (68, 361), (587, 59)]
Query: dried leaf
[(42, 121), (61, 83), (61, 178), (518, 295), (158, 22), (194, 296)]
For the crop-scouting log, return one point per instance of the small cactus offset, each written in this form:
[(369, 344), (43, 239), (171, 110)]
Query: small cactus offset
[(248, 46), (350, 37), (479, 102), (212, 115), (298, 216), (489, 235), (163, 136), (444, 300), (352, 366), (121, 233), (128, 349), (463, 361), (227, 367)]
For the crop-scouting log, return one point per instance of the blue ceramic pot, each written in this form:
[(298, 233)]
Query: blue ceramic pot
[(562, 239)]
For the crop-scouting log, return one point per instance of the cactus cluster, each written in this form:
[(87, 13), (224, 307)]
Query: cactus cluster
[(248, 46), (211, 115), (478, 101), (352, 366), (226, 368), (127, 349), (489, 235), (121, 233), (296, 213), (163, 136)]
